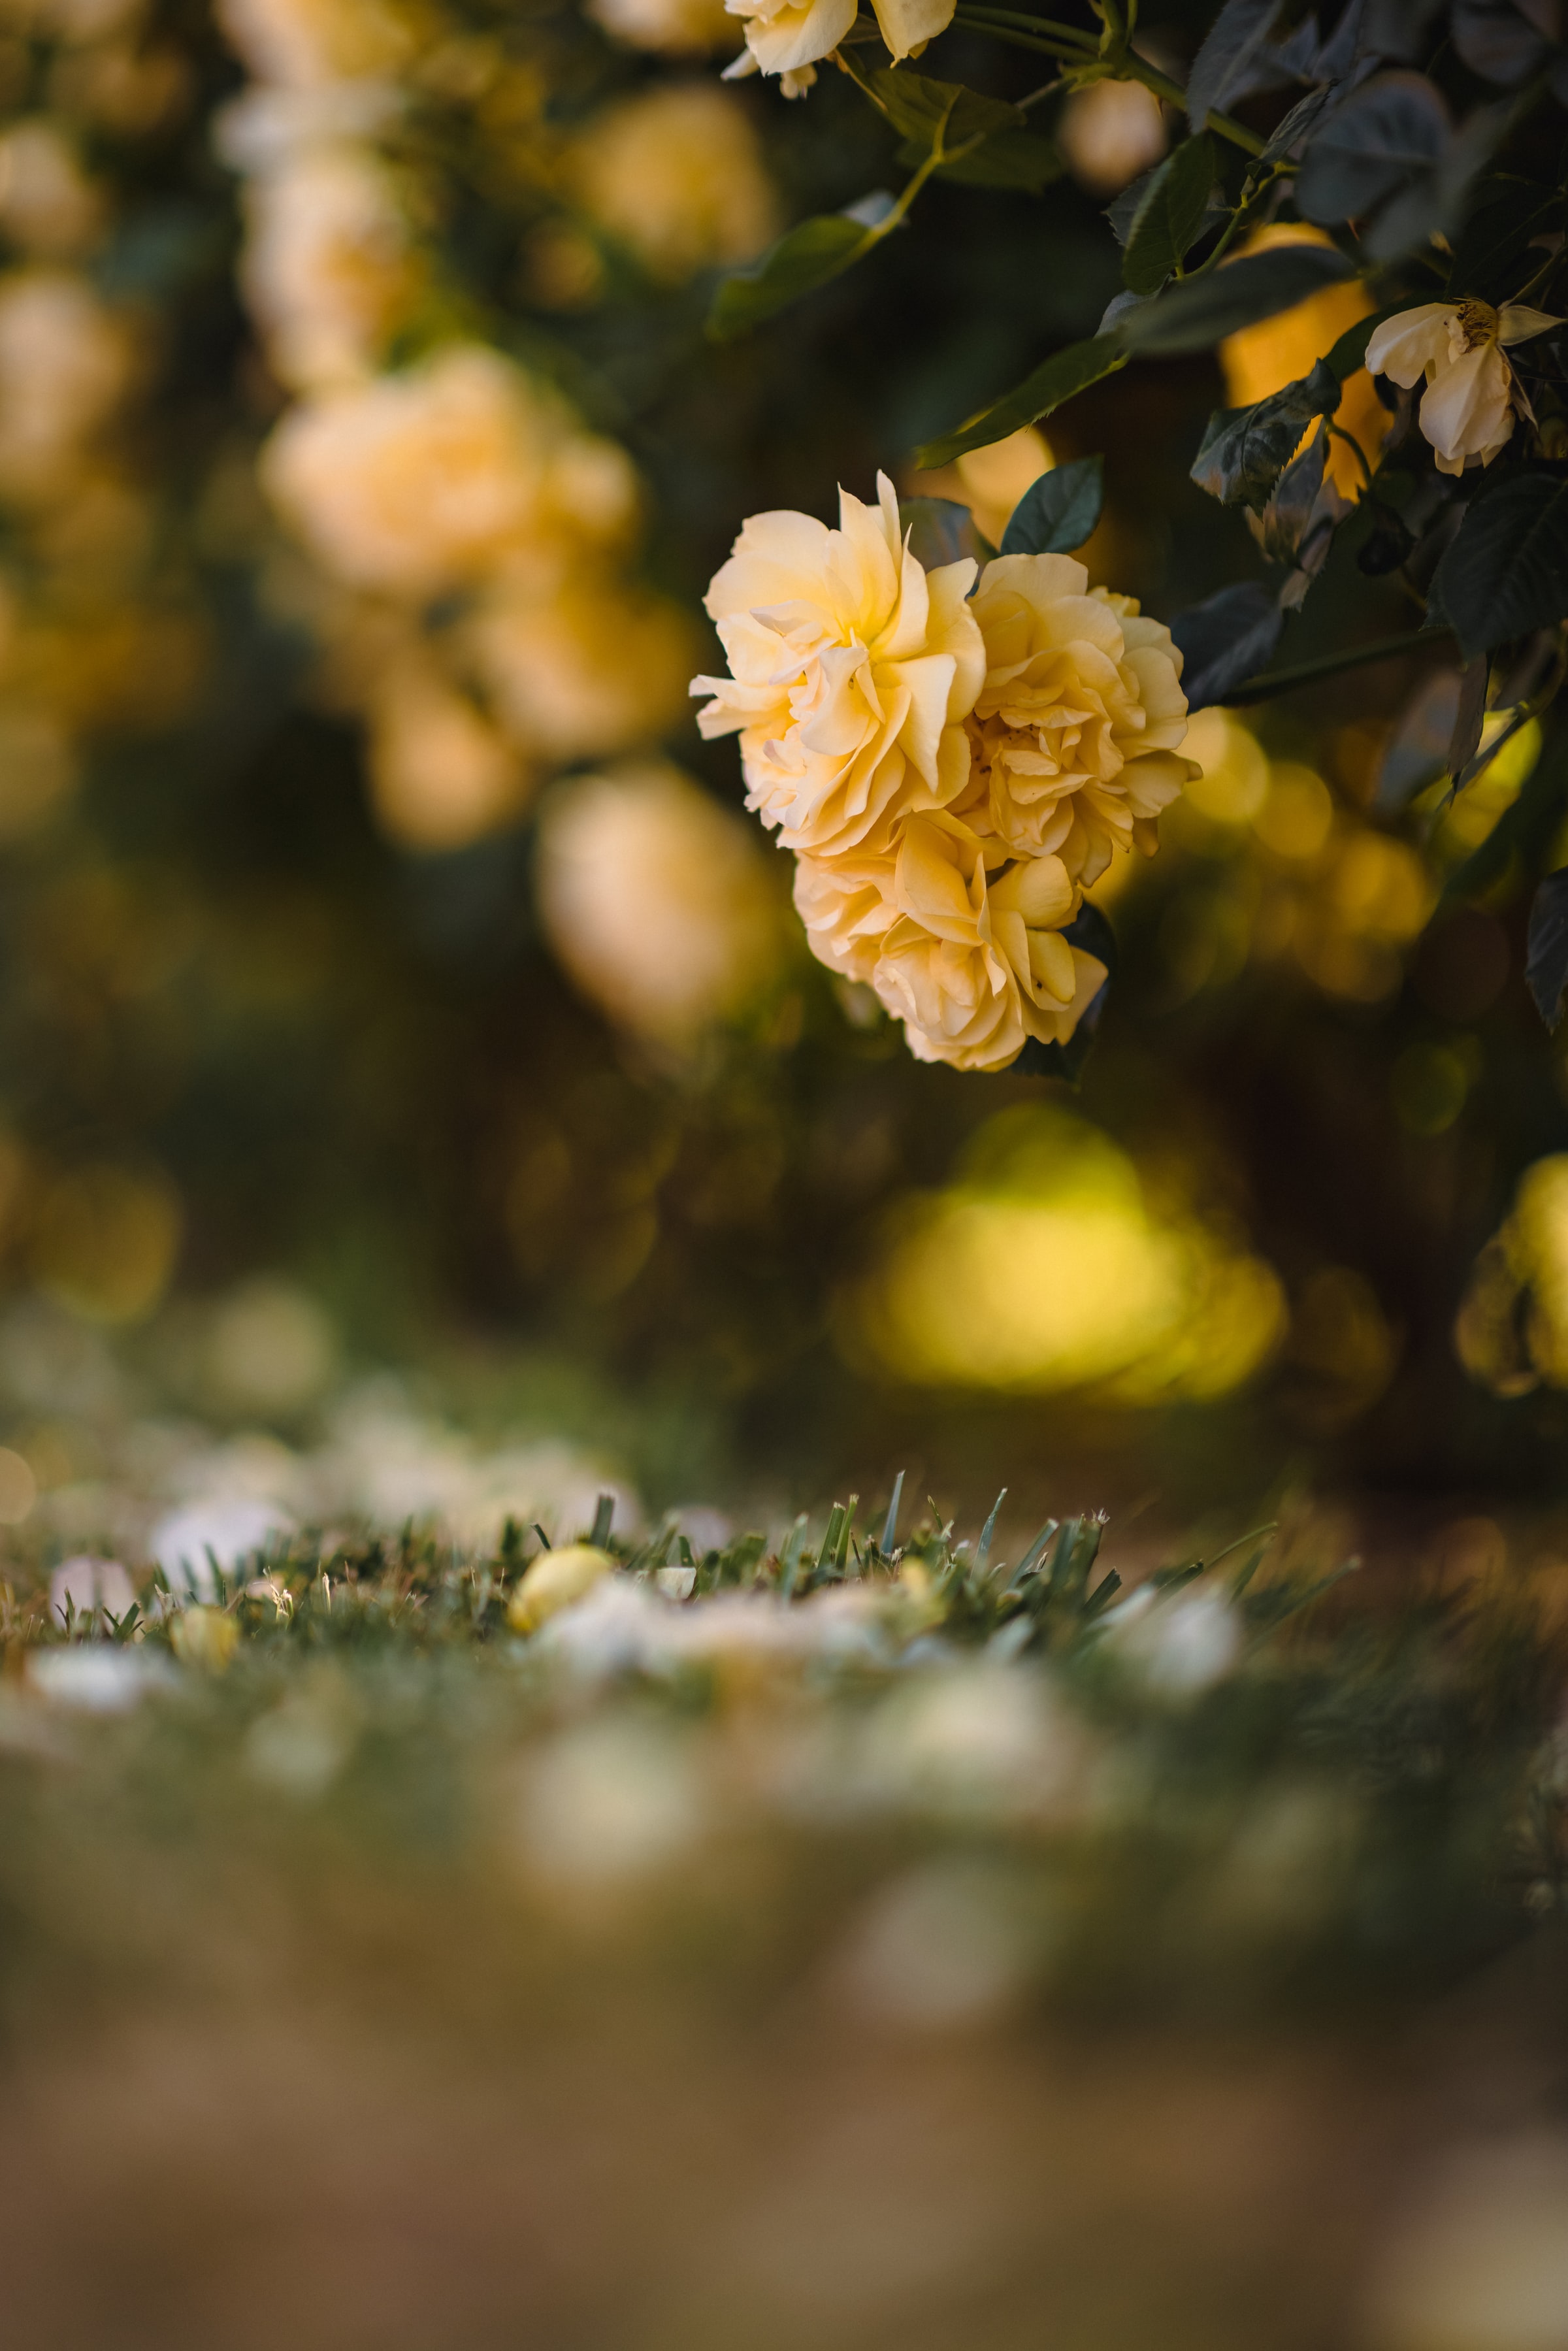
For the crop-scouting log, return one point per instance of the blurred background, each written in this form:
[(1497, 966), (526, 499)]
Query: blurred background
[(393, 984)]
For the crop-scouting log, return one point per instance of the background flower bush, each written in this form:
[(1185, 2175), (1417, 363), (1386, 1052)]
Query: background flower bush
[(364, 461)]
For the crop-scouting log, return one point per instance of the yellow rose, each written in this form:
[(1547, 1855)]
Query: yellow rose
[(677, 175), (1468, 407), (440, 775), (1075, 732), (327, 271), (306, 44), (459, 468), (66, 362), (672, 28), (852, 670), (971, 966)]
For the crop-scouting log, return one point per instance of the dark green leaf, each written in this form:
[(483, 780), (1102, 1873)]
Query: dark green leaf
[(1502, 224), (1388, 131), (920, 109), (1167, 218), (1090, 931), (941, 531), (1433, 202), (1507, 569), (1232, 47), (812, 254), (1245, 450), (1225, 640), (1058, 513), (1008, 159), (1524, 830), (1281, 524), (1304, 117), (1349, 352), (1546, 955), (1055, 381), (1201, 311), (1496, 40)]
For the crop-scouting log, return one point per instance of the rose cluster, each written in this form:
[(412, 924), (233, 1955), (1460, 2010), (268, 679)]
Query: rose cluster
[(951, 764)]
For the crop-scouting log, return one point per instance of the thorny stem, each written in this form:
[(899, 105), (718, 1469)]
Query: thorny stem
[(1268, 682)]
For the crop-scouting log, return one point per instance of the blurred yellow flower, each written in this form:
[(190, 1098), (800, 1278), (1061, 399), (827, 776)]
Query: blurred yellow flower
[(672, 27), (440, 774), (1110, 132), (460, 467), (1471, 395), (66, 362), (305, 44), (596, 668), (676, 175), (1043, 1268), (1262, 360), (326, 270), (105, 1241), (852, 670), (1076, 732), (48, 207), (1512, 1328), (656, 899), (205, 1639)]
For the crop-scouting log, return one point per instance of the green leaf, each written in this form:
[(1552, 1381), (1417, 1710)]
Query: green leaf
[(1379, 140), (808, 256), (921, 108), (1056, 379), (1507, 569), (1508, 215), (1202, 310), (1546, 955), (1225, 640), (1168, 216), (1010, 154), (1089, 930), (1008, 159), (1232, 47), (1244, 451), (1057, 512), (1350, 353), (1524, 830), (941, 531)]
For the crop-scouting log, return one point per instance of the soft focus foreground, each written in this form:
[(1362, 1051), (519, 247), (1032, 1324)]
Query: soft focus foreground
[(829, 1940)]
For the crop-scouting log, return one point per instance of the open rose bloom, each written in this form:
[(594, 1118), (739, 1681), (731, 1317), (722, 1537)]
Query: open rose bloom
[(1472, 394), (952, 764)]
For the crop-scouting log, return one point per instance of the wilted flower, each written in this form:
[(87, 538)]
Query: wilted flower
[(852, 670), (1472, 392), (1076, 731), (459, 467), (972, 966), (327, 271), (594, 669), (784, 37), (656, 899), (675, 174)]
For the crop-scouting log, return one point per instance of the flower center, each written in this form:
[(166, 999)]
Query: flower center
[(1477, 324)]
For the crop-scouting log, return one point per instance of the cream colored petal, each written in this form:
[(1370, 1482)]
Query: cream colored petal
[(1405, 347), (1516, 322), (793, 37), (906, 24), (1038, 889), (1467, 409)]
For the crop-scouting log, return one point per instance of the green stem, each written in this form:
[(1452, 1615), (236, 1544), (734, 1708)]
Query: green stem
[(1268, 682), (1174, 95), (1073, 47)]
